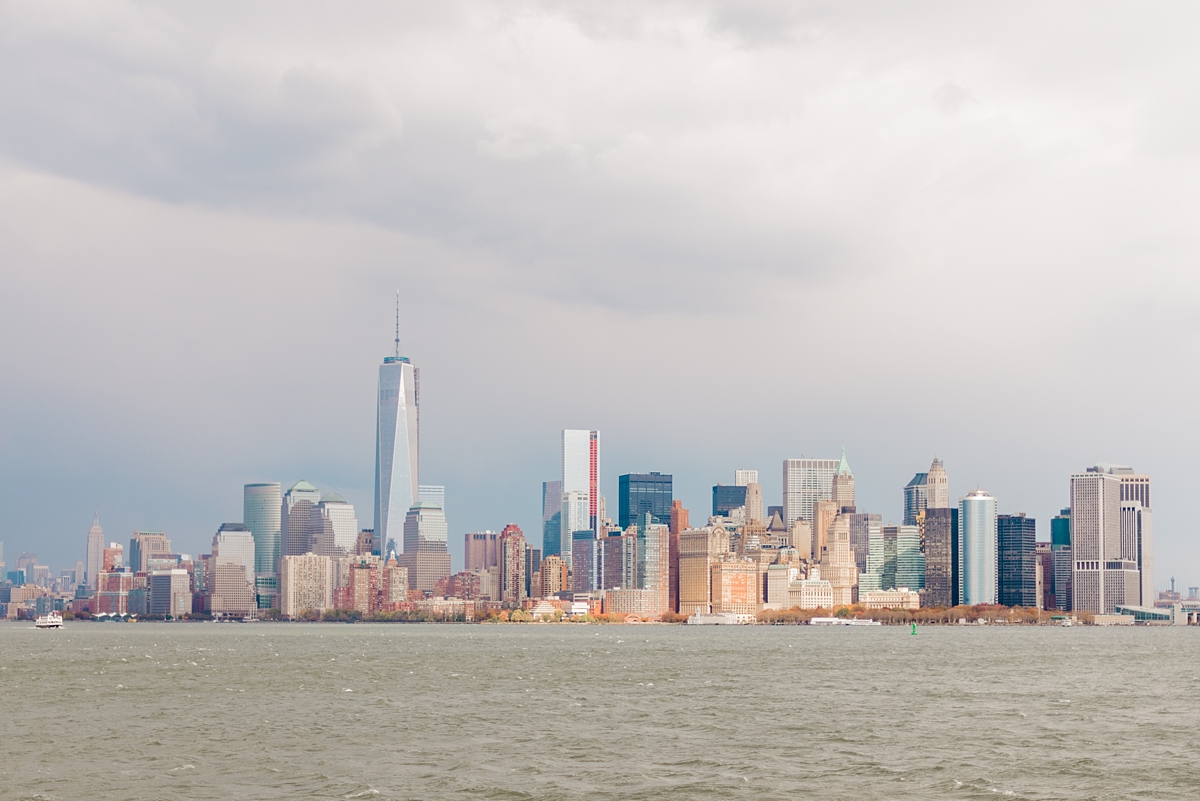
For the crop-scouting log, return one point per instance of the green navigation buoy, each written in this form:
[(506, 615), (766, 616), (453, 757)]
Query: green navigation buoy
[(914, 631)]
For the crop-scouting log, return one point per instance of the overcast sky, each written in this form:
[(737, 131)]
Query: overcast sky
[(722, 234)]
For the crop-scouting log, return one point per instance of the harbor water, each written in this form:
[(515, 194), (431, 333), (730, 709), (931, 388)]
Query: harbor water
[(327, 711)]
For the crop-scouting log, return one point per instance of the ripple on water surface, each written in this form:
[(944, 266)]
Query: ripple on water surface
[(200, 711)]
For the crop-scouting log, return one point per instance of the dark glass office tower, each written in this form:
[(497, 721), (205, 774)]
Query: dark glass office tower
[(726, 499), (1016, 552), (942, 580), (642, 493)]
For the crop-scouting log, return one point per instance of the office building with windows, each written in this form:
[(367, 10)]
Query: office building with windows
[(1095, 539), (942, 583), (726, 498), (333, 527), (1016, 551), (641, 494), (977, 514), (552, 498), (397, 445), (916, 498), (262, 513), (294, 519), (425, 546), (806, 481)]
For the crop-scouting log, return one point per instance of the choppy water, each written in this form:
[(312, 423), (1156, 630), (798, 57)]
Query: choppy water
[(199, 711)]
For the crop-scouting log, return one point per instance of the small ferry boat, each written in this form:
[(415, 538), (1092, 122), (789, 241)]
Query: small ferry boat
[(50, 621), (842, 621)]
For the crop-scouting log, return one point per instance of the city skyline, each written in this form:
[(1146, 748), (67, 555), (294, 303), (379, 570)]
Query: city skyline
[(892, 194)]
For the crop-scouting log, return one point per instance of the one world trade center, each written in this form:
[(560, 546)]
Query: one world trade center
[(396, 446)]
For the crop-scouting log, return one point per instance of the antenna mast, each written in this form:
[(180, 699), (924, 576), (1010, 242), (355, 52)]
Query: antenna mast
[(397, 353)]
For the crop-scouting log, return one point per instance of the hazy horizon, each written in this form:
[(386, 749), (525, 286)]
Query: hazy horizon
[(722, 234)]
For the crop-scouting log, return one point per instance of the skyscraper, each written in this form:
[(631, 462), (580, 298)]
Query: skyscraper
[(941, 558), (754, 503), (573, 521), (653, 562), (95, 551), (512, 549), (433, 493), (977, 556), (262, 506), (580, 468), (333, 526), (916, 498), (644, 493), (744, 478), (552, 497), (806, 481), (842, 488), (425, 554), (1016, 552), (679, 524), (726, 498), (396, 445), (894, 560), (1137, 545), (1095, 537), (231, 584), (144, 544), (295, 516), (480, 550), (937, 486)]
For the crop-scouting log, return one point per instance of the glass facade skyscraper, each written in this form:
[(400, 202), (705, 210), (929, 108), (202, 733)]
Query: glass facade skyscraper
[(726, 498), (396, 447), (646, 493), (806, 481), (1016, 552), (977, 556), (262, 513)]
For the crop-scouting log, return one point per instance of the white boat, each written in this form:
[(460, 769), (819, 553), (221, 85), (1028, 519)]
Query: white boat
[(50, 621), (842, 621)]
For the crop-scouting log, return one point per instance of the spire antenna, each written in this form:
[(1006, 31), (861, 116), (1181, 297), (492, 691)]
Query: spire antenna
[(397, 353)]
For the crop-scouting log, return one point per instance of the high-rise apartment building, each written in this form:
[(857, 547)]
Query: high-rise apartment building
[(1095, 538), (916, 498), (512, 549), (295, 516), (617, 564), (552, 497), (937, 486), (145, 544), (1016, 553), (842, 487), (581, 470), (425, 553), (726, 498), (644, 493), (977, 514), (653, 563), (744, 478), (554, 576), (397, 445), (333, 526), (262, 506), (942, 577), (480, 550), (305, 584), (806, 481), (575, 519), (95, 551)]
